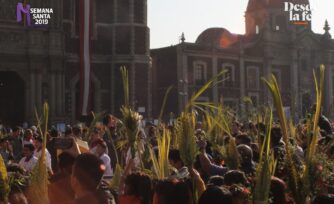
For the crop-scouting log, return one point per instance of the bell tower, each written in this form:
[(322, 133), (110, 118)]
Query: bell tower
[(271, 13)]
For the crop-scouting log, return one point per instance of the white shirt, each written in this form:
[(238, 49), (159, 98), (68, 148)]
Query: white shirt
[(38, 154), (106, 160), (28, 165)]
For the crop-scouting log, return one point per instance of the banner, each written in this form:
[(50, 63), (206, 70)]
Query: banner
[(85, 55)]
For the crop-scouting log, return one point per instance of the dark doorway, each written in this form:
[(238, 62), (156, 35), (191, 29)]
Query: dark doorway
[(11, 98)]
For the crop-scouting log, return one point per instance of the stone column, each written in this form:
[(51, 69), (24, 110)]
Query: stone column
[(242, 81), (32, 97), (38, 89), (28, 112), (149, 95), (180, 78), (330, 90), (185, 75), (267, 73), (52, 94), (59, 96)]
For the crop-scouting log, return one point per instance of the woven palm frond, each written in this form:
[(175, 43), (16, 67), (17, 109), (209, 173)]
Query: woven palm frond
[(38, 189), (185, 129), (131, 123)]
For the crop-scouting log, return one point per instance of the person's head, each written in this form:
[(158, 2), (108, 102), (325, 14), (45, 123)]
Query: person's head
[(16, 131), (28, 134), (243, 139), (54, 132), (175, 158), (96, 133), (276, 136), (324, 199), (65, 162), (172, 192), (68, 131), (261, 128), (216, 181), (256, 152), (109, 121), (240, 194), (101, 147), (235, 177), (236, 125), (215, 194), (277, 191), (87, 172), (77, 130), (3, 143), (245, 153), (139, 185), (28, 150), (38, 142)]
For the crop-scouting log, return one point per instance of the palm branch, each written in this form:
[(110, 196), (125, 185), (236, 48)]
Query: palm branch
[(185, 129), (160, 163), (293, 179), (38, 189), (265, 169)]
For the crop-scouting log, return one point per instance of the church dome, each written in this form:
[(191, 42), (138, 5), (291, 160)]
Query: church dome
[(218, 37)]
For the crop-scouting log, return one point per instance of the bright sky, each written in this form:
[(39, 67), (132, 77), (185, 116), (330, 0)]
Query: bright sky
[(167, 19)]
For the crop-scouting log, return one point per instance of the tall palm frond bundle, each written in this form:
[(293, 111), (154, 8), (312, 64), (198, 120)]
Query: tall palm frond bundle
[(229, 151), (265, 169), (131, 123), (160, 162), (311, 149), (4, 182), (212, 130), (185, 129), (293, 179), (319, 95), (130, 118), (38, 190)]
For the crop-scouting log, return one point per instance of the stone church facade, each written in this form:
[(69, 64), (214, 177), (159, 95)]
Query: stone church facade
[(271, 45), (42, 64)]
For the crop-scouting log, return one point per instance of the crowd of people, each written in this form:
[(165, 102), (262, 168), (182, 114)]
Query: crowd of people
[(87, 177)]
